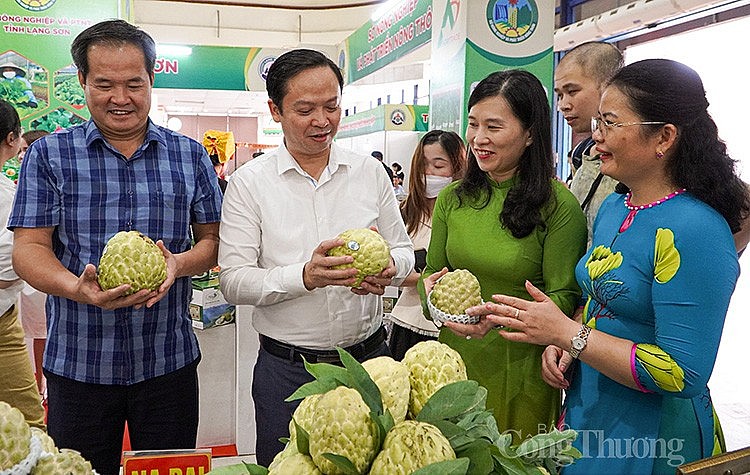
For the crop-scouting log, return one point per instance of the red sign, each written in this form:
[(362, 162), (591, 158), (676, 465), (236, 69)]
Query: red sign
[(167, 463)]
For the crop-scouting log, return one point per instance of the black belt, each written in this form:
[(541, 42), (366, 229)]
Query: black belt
[(295, 353)]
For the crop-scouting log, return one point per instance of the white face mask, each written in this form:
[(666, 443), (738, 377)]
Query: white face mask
[(434, 183), (9, 74)]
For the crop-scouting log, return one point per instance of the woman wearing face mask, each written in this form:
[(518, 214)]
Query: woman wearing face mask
[(439, 159), (509, 221)]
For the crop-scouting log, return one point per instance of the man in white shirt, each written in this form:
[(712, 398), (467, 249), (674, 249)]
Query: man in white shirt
[(281, 214)]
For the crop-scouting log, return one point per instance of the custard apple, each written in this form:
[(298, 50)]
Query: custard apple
[(392, 379), (370, 251), (66, 462), (48, 445), (132, 258), (15, 436), (304, 416), (289, 449), (409, 446), (343, 426), (456, 291), (432, 365), (296, 464)]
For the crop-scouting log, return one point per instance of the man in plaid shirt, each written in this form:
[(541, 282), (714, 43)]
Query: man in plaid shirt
[(113, 358)]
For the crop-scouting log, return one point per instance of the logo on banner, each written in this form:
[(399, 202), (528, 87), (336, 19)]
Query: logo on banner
[(264, 65), (512, 21), (452, 8), (398, 117), (35, 5)]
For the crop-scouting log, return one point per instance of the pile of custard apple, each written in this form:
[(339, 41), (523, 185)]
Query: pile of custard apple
[(29, 450), (419, 416)]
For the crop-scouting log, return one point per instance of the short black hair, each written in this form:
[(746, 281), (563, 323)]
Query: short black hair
[(377, 154), (598, 59), (291, 63), (113, 33)]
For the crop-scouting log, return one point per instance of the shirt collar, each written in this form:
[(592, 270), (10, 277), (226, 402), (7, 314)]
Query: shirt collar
[(154, 133), (336, 159)]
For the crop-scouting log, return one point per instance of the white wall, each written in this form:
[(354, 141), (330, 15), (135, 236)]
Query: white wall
[(716, 53)]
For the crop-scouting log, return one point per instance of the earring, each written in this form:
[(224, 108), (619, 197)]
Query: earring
[(659, 154)]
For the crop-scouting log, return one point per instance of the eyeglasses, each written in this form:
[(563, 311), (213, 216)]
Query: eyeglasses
[(603, 125)]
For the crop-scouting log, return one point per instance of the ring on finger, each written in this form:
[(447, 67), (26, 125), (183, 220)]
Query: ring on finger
[(518, 312)]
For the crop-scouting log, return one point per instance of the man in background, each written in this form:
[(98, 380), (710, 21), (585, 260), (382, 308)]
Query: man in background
[(579, 79), (378, 155)]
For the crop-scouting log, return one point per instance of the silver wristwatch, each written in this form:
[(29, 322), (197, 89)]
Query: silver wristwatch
[(578, 342)]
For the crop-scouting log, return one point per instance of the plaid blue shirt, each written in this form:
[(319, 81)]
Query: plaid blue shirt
[(78, 183)]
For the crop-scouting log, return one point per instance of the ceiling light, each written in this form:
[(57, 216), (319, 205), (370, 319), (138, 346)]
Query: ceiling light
[(174, 123)]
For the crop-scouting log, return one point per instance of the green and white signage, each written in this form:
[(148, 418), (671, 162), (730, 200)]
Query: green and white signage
[(385, 118), (378, 43), (474, 38), (214, 67), (38, 76)]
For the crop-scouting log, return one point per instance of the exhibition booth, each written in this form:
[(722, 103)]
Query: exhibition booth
[(456, 44)]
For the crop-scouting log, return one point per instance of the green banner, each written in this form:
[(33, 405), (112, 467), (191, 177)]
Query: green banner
[(376, 44), (385, 118), (474, 38), (38, 77), (213, 67)]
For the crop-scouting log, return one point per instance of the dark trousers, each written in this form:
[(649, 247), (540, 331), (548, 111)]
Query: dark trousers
[(402, 339), (162, 413), (274, 380)]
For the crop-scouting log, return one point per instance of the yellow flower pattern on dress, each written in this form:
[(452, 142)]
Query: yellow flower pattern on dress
[(666, 256), (664, 371), (601, 261)]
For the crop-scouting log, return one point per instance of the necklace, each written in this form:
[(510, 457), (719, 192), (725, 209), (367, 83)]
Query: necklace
[(634, 209)]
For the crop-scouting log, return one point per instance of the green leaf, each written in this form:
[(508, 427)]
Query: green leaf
[(302, 439), (481, 424), (313, 387), (504, 441), (513, 466), (255, 469), (448, 467), (326, 371), (480, 454), (550, 445), (384, 423), (342, 463), (239, 469), (449, 429), (362, 382), (452, 400)]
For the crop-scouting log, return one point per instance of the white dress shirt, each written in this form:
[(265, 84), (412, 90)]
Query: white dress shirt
[(274, 215), (9, 295)]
